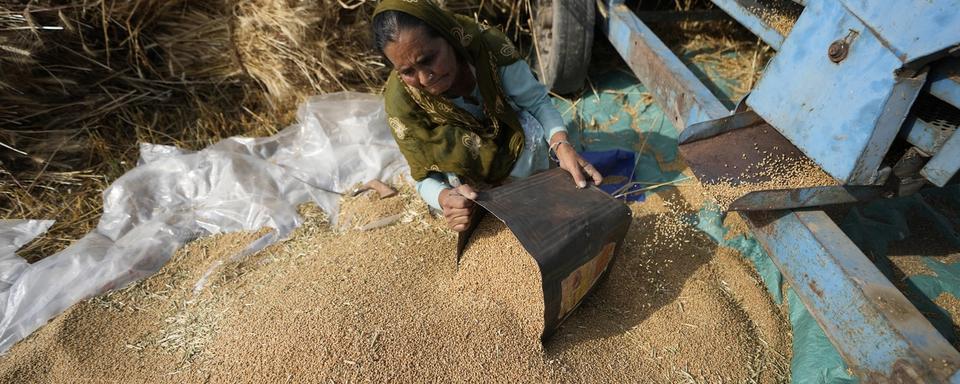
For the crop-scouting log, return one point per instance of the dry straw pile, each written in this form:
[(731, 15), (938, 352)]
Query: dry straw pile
[(731, 56), (83, 82)]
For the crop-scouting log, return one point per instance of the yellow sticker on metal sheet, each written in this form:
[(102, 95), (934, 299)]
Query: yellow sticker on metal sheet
[(577, 284)]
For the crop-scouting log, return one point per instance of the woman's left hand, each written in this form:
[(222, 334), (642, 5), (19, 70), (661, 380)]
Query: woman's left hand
[(580, 169)]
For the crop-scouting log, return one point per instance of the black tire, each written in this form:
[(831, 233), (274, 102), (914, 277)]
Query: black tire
[(563, 34)]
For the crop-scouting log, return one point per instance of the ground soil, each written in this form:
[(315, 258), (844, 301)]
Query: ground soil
[(390, 304)]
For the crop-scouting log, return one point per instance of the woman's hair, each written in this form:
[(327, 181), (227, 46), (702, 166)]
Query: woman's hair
[(387, 24)]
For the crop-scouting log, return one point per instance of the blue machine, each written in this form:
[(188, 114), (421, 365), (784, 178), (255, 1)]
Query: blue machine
[(867, 90)]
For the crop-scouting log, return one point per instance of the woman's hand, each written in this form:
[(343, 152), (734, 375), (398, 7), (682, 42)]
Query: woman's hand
[(457, 204), (570, 161)]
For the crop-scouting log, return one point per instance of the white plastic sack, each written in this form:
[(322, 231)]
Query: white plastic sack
[(174, 196)]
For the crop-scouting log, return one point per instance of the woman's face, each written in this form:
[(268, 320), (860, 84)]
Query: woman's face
[(423, 62)]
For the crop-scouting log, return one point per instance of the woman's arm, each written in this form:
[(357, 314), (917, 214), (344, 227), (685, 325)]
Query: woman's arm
[(456, 203), (430, 188), (525, 91), (571, 161), (529, 94)]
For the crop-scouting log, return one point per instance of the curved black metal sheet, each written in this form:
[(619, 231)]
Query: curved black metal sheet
[(573, 234)]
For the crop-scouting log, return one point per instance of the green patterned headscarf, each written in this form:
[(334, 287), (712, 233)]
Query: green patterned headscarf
[(433, 133)]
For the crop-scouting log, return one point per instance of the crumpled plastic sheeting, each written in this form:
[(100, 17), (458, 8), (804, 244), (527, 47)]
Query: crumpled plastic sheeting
[(13, 235), (174, 196)]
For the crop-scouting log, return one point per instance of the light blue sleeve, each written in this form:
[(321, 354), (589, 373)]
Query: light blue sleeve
[(430, 188), (528, 94)]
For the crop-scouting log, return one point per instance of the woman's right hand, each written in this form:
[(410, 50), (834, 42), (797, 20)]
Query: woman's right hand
[(457, 204)]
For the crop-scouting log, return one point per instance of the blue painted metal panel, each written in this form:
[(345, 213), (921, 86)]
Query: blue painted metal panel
[(945, 163), (945, 81), (751, 21), (913, 30), (842, 115), (683, 98), (891, 118), (875, 328), (926, 137)]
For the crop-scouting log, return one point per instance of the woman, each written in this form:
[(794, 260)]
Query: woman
[(465, 110)]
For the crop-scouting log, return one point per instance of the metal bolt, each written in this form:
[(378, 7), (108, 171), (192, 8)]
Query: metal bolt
[(837, 51)]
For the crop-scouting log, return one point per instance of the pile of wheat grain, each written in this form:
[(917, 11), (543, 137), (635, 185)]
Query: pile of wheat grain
[(389, 304)]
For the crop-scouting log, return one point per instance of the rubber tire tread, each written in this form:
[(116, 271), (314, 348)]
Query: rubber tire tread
[(572, 42)]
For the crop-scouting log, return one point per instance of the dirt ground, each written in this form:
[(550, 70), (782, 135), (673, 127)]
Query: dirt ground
[(389, 304)]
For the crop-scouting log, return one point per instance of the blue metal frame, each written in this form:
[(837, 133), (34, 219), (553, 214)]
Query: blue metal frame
[(845, 126), (751, 21), (941, 168), (945, 81), (917, 32), (875, 329), (683, 98), (926, 137)]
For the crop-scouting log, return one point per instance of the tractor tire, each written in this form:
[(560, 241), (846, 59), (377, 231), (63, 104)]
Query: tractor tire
[(563, 36)]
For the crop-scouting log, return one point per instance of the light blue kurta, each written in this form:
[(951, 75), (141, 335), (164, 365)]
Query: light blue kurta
[(539, 118)]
